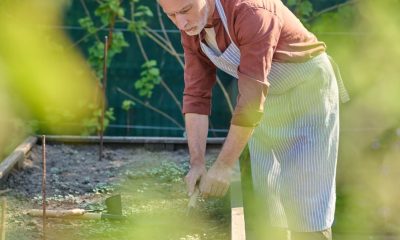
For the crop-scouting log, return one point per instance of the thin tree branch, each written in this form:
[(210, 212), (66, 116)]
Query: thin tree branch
[(332, 8), (88, 14), (161, 81), (226, 95), (156, 35), (111, 30), (162, 25), (178, 56), (166, 43), (141, 48), (139, 41), (148, 34), (159, 40), (148, 105), (88, 35)]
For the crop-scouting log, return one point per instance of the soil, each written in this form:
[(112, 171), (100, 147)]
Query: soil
[(154, 198)]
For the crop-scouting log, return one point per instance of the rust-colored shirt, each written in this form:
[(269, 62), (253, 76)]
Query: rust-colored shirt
[(264, 31)]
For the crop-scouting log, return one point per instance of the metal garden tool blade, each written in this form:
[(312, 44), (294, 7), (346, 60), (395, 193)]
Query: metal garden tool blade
[(114, 205)]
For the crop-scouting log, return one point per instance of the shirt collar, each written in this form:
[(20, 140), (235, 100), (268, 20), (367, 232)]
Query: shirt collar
[(215, 19)]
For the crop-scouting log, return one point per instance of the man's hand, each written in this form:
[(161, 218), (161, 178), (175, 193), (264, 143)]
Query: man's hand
[(195, 174), (217, 180)]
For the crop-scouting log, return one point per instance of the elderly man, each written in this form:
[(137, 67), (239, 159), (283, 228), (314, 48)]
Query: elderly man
[(287, 107)]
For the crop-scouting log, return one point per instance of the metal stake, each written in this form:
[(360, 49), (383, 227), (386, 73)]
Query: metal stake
[(103, 105)]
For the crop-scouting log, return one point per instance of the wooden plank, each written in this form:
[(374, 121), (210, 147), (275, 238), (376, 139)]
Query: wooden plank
[(17, 156), (238, 231), (237, 224), (3, 218), (115, 139)]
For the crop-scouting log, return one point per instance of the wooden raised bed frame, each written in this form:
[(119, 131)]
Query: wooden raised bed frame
[(16, 158)]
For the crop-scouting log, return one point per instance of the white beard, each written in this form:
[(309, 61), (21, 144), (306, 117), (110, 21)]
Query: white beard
[(202, 23)]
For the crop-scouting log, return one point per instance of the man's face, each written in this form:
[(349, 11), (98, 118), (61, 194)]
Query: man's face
[(188, 15)]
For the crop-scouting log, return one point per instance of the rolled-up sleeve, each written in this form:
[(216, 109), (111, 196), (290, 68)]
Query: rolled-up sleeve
[(199, 76), (257, 33)]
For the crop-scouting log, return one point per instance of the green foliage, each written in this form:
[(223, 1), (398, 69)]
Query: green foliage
[(96, 207), (56, 198), (137, 27), (167, 172), (96, 52), (143, 11), (64, 121), (127, 104), (339, 21), (149, 77), (118, 44), (387, 139), (140, 16), (96, 56), (103, 188), (303, 9), (33, 126), (88, 25), (108, 10), (92, 124)]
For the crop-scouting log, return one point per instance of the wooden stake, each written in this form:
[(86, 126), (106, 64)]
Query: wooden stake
[(44, 185), (103, 105), (3, 219)]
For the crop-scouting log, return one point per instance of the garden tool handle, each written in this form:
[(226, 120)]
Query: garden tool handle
[(193, 197), (75, 214), (193, 201)]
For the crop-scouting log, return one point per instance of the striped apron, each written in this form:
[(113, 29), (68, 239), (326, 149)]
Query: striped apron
[(294, 149)]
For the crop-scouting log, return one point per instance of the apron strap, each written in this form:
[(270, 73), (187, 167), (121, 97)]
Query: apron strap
[(224, 20), (343, 93)]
